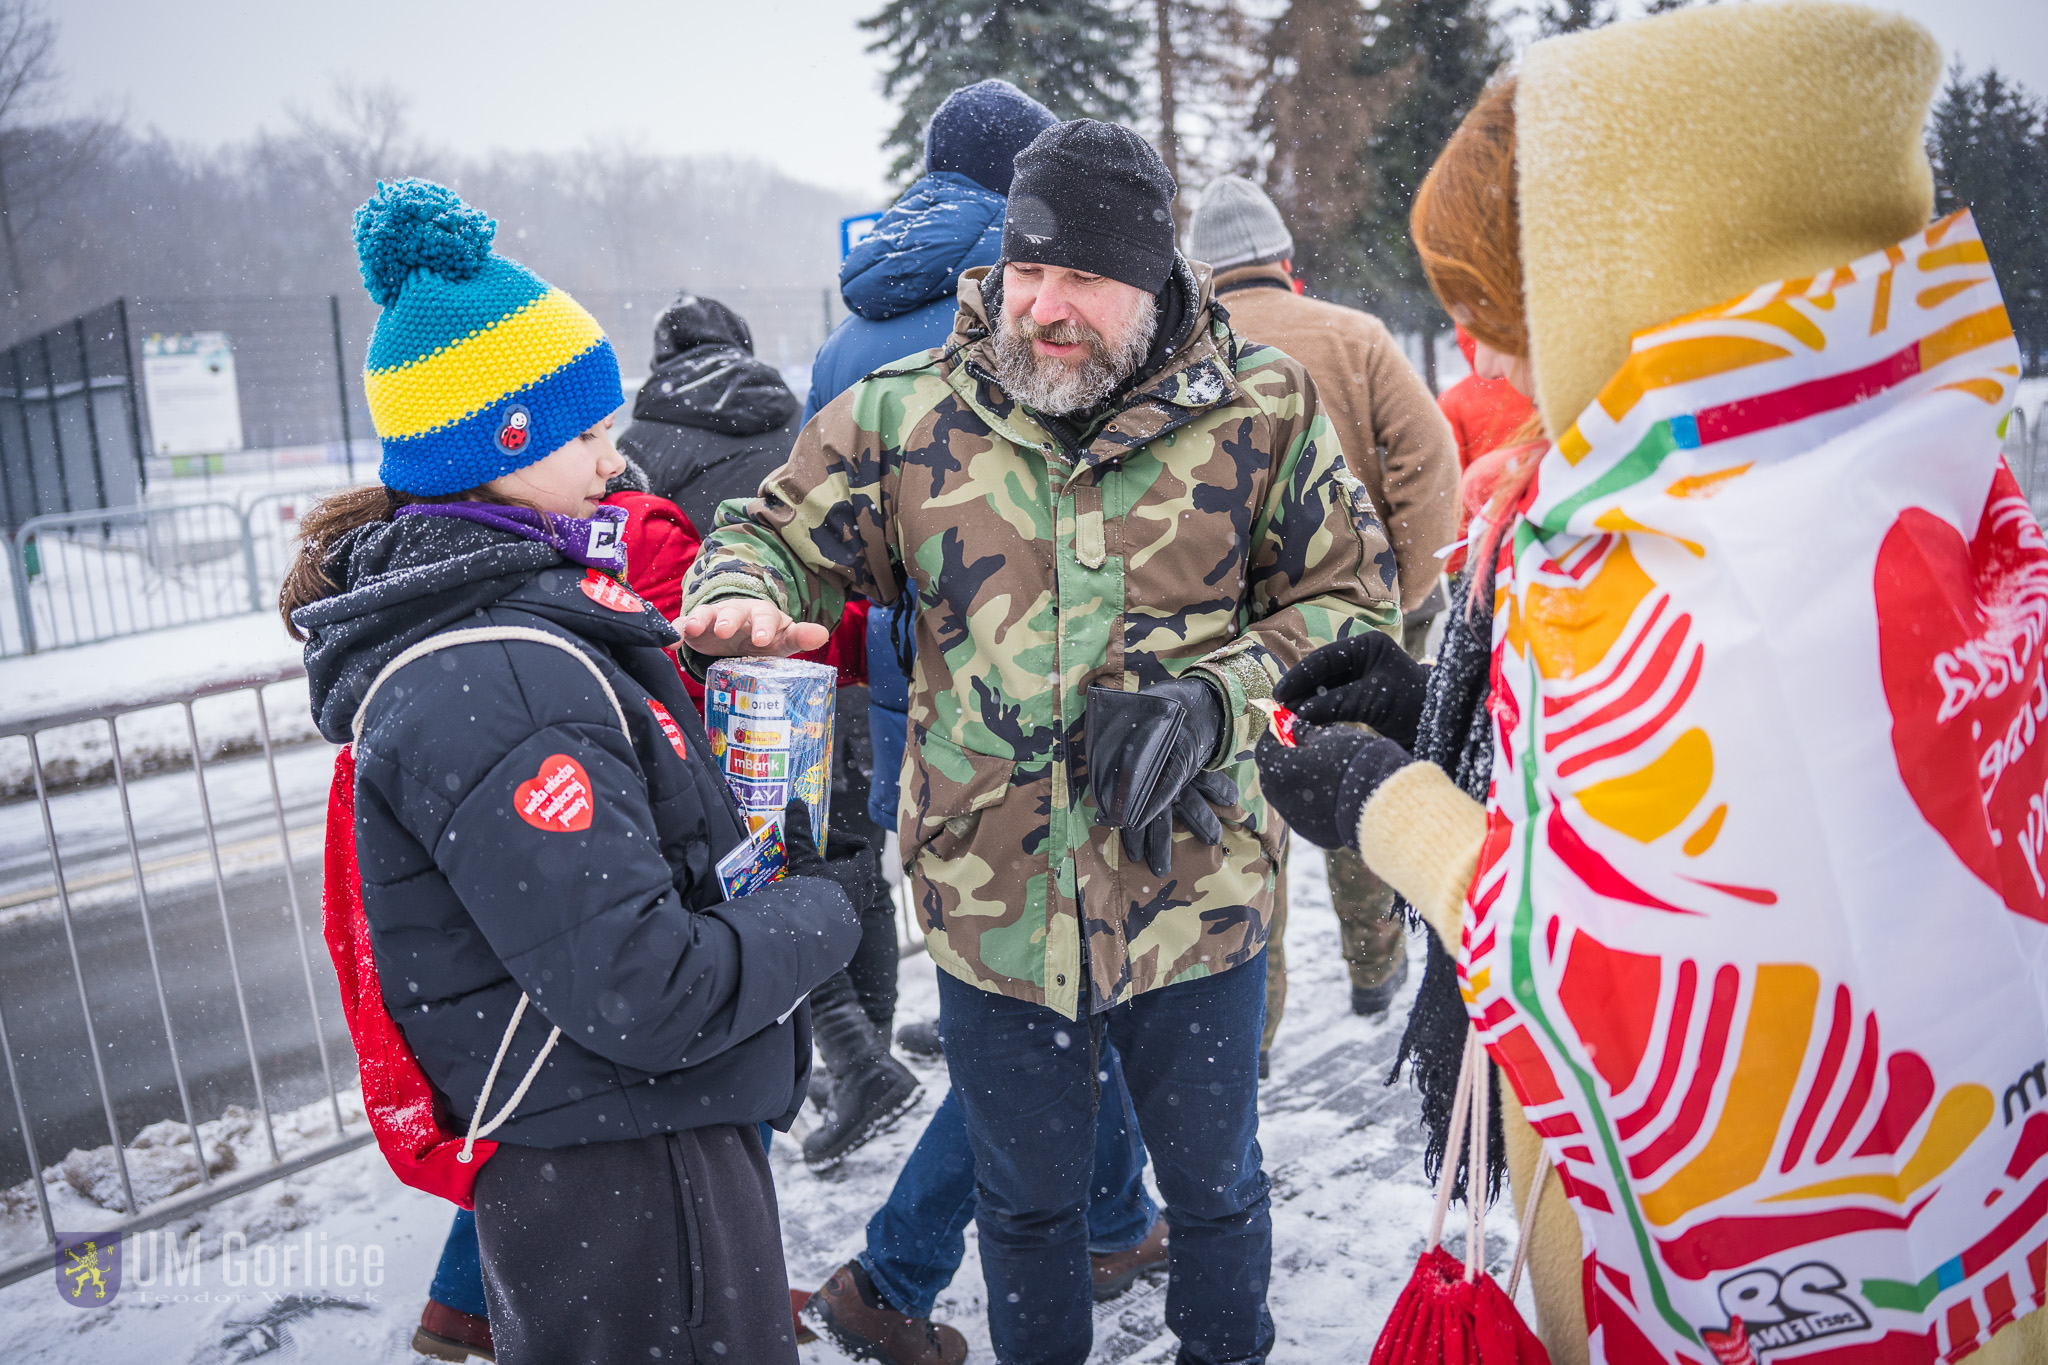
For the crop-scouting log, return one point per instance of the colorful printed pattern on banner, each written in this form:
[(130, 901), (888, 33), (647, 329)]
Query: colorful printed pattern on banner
[(1760, 927)]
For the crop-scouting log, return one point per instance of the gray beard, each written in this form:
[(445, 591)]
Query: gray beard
[(1060, 389)]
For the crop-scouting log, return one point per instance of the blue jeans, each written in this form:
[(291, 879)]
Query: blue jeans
[(1029, 1082), (917, 1238), (459, 1279)]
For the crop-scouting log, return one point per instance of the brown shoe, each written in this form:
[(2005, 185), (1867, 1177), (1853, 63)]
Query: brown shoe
[(797, 1299), (1116, 1271), (445, 1334), (850, 1315)]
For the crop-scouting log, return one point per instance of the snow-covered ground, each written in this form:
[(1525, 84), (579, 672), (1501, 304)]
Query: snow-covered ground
[(1350, 1210)]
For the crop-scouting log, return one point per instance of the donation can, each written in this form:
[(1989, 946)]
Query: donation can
[(770, 726)]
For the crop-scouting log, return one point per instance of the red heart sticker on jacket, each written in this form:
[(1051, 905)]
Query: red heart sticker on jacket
[(558, 799), (607, 591), (1960, 629), (670, 731)]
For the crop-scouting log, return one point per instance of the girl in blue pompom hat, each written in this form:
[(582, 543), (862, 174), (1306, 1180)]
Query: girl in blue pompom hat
[(538, 824)]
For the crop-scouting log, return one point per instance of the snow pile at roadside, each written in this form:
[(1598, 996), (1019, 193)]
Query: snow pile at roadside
[(153, 663), (84, 1188)]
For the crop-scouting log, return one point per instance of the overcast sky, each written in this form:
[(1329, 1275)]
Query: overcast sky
[(786, 81)]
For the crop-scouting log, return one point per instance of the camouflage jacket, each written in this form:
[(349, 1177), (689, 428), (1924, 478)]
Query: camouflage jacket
[(1209, 524)]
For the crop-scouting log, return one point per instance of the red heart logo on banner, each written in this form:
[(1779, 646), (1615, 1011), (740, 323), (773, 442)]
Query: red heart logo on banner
[(1960, 629), (558, 799)]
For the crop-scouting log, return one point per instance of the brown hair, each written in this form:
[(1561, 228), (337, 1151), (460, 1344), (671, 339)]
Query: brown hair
[(1467, 223), (333, 517), (1467, 226)]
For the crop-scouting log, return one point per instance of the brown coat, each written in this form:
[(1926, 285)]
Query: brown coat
[(1394, 438)]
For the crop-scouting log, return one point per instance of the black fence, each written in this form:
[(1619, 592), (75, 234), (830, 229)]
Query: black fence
[(70, 419), (298, 362), (74, 413)]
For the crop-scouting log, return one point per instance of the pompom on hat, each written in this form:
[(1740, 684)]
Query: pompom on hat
[(477, 366)]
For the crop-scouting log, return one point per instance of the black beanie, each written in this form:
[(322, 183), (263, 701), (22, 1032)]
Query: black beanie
[(1095, 197)]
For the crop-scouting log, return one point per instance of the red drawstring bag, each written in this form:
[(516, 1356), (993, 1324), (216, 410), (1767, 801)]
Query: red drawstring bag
[(397, 1096), (1451, 1312)]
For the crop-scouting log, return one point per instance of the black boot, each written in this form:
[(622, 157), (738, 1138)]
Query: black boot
[(870, 1089), (921, 1039), (1374, 1001)]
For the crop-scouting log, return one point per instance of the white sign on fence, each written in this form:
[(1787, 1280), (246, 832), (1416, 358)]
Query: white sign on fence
[(189, 379)]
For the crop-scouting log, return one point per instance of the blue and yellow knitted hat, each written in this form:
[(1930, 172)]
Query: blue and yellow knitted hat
[(478, 366)]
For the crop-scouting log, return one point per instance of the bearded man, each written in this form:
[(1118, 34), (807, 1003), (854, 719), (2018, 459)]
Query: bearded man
[(1119, 523)]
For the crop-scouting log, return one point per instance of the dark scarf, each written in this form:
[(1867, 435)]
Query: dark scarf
[(1456, 734)]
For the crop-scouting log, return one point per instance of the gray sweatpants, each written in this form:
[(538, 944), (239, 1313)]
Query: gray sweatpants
[(661, 1248)]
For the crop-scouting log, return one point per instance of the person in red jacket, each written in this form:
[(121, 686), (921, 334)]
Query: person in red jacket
[(661, 545), (1486, 413)]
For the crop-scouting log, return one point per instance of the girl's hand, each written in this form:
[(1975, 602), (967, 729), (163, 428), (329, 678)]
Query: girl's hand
[(748, 626)]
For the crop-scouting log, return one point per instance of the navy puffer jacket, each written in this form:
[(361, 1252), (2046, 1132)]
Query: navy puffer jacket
[(898, 281), (608, 914)]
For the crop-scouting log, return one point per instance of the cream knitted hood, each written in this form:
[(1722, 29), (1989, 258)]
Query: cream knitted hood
[(1671, 163)]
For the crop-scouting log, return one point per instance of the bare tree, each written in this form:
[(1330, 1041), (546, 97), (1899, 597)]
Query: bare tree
[(367, 136), (1205, 70), (36, 158)]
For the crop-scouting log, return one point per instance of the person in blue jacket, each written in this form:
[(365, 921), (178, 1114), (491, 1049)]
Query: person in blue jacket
[(898, 283)]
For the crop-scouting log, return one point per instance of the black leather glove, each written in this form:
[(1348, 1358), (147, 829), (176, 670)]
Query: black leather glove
[(847, 859), (1321, 786), (1367, 678), (1146, 751), (1154, 842)]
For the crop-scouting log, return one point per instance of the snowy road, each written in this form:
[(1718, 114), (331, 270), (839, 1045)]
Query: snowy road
[(44, 1019), (165, 805), (1349, 1211)]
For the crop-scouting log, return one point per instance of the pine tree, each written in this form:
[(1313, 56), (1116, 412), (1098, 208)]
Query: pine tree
[(1203, 73), (1576, 16), (1989, 144), (1317, 110), (1433, 57), (1076, 57)]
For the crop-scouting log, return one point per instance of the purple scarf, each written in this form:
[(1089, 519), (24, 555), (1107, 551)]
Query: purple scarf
[(598, 542)]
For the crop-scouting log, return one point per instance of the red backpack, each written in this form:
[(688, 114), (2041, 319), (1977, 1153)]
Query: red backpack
[(411, 1126)]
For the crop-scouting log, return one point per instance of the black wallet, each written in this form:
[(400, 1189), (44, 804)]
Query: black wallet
[(1135, 733)]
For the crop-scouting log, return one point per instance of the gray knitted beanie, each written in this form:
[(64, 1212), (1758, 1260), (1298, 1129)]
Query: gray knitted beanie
[(1236, 224)]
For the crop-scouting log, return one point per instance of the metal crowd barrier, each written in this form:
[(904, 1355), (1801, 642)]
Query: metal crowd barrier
[(136, 1216), (77, 577), (85, 576), (2026, 450)]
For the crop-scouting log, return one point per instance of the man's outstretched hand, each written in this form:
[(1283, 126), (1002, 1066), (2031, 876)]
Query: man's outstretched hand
[(749, 626)]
